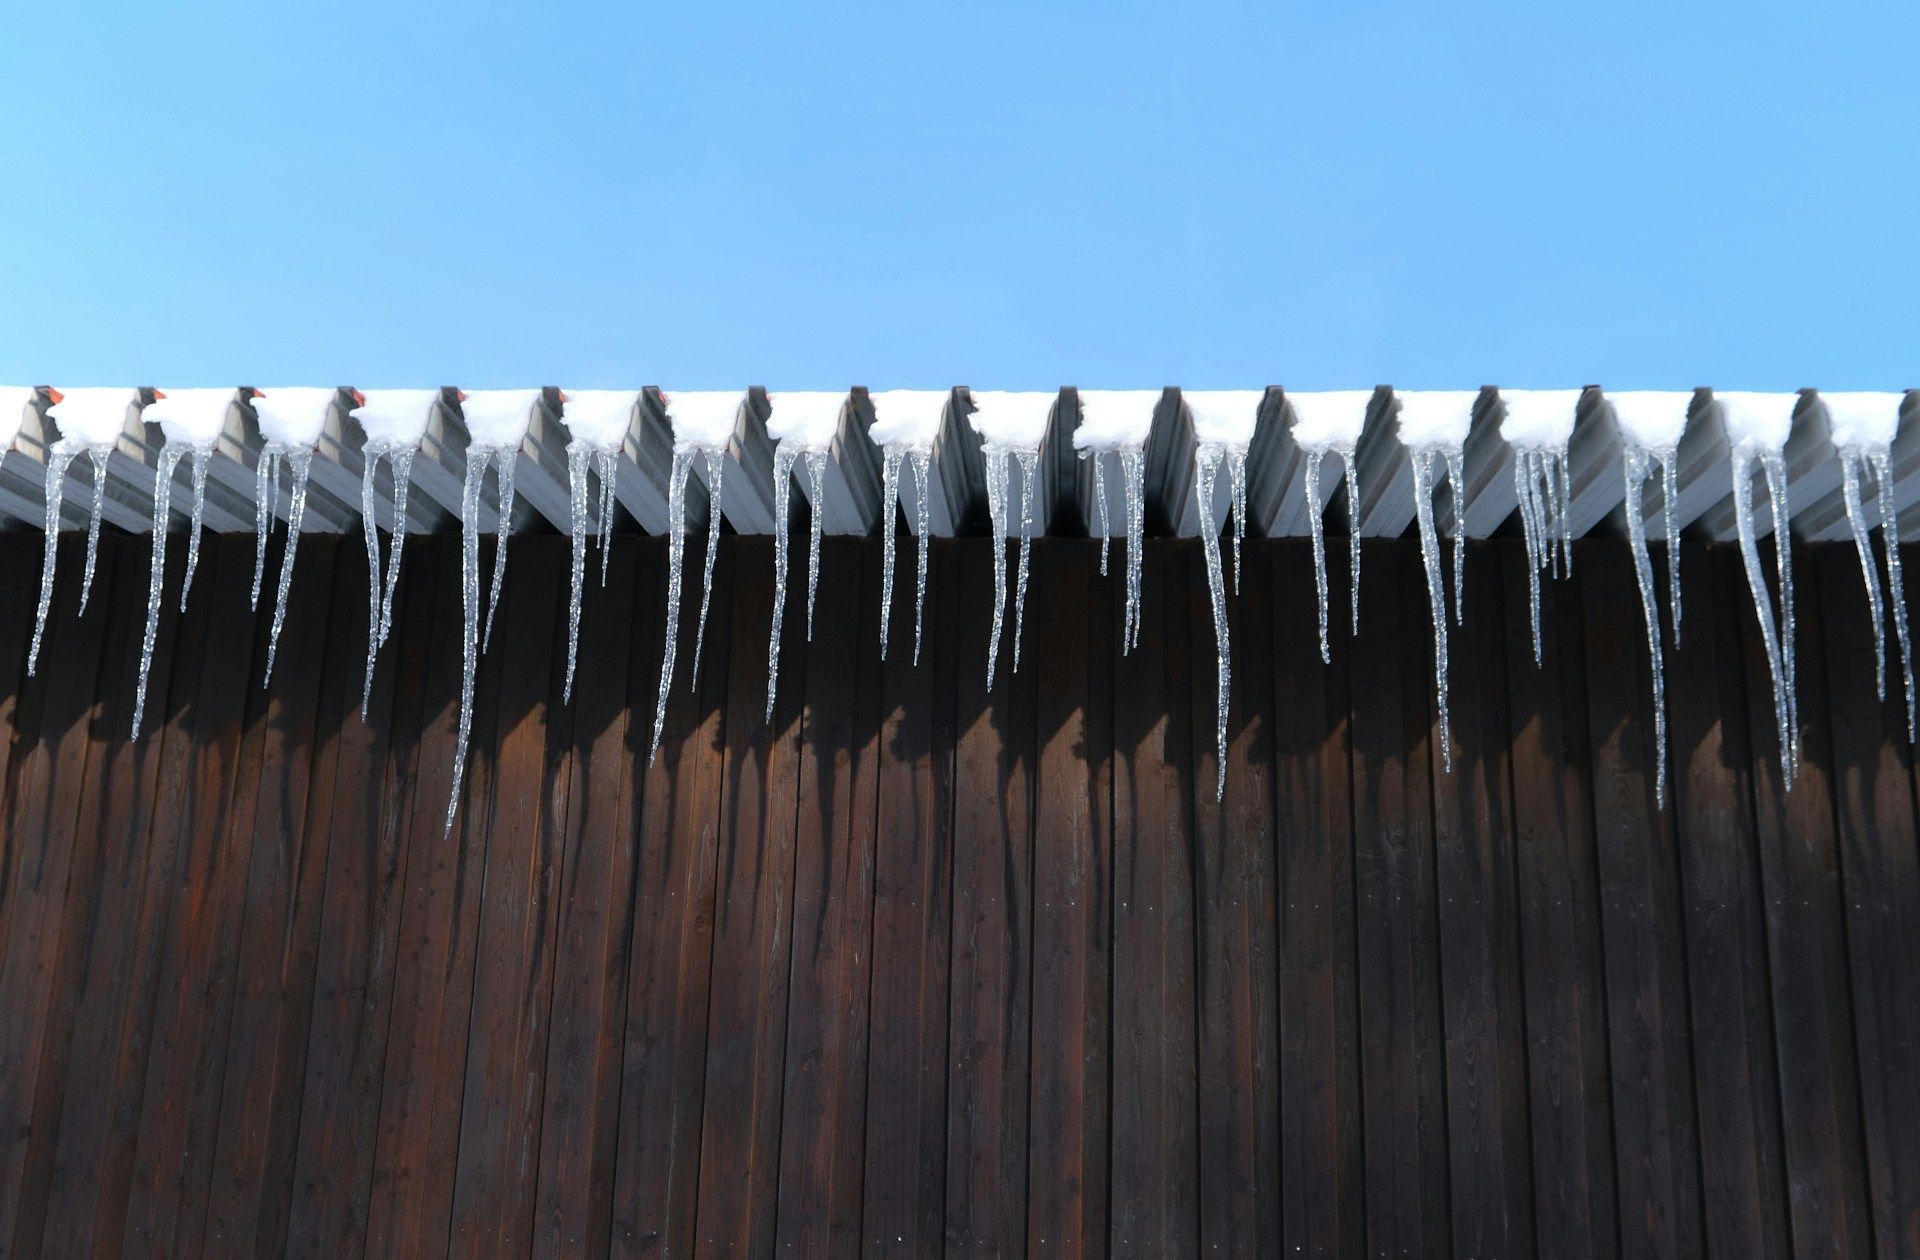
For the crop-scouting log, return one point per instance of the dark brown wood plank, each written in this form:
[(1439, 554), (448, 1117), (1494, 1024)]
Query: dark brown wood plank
[(205, 899), (19, 596), (1401, 1056), (1556, 883), (904, 1185), (823, 1102), (1155, 1209), (417, 1132), (1806, 937), (94, 1057), (1488, 1138), (1874, 810), (1238, 1037), (663, 1072), (1073, 900), (265, 1039), (1738, 1091), (52, 782), (513, 976), (619, 641), (1323, 1189), (1655, 1139)]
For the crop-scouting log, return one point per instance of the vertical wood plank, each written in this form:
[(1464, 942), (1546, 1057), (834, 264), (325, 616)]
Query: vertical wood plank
[(1488, 1158), (823, 1103), (1874, 810), (1155, 1208), (1806, 937), (903, 1206), (1072, 897), (991, 986), (1556, 884), (1656, 1152), (1322, 1180), (619, 641), (663, 1072), (1401, 1057)]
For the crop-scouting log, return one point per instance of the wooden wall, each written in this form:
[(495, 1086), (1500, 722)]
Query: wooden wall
[(918, 967)]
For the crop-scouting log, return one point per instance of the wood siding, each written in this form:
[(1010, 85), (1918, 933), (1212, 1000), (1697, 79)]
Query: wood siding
[(917, 967)]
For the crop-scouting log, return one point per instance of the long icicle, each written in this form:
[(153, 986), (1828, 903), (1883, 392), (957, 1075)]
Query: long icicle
[(504, 460), (1635, 468), (783, 460), (1850, 464), (1456, 491), (264, 499), (402, 479), (1762, 605), (1237, 481), (1353, 531), (1206, 465), (1133, 469), (1100, 502), (59, 457), (1667, 458), (200, 456), (676, 557), (470, 619), (922, 467), (1423, 491), (1029, 462), (1896, 587), (577, 457), (99, 454), (1526, 492), (371, 528), (607, 465), (1774, 464), (156, 574), (996, 467), (301, 461), (816, 513), (716, 471), (1315, 457), (889, 502)]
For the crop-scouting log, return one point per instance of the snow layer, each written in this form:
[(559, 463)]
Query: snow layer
[(1862, 419), (14, 401), (397, 417), (94, 416), (1010, 421), (497, 419), (1758, 422), (704, 419), (600, 417), (908, 417), (1115, 419), (1436, 417), (805, 420), (1330, 419), (1538, 419), (1224, 417), (1651, 419), (293, 415), (192, 417)]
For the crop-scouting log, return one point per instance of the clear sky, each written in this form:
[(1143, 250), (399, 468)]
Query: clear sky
[(1006, 195)]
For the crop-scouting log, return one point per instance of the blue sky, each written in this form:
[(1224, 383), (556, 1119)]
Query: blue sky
[(1004, 195)]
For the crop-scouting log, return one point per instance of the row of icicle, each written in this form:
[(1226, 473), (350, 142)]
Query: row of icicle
[(1542, 486)]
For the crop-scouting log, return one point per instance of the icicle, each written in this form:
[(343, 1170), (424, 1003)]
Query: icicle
[(505, 459), (889, 496), (402, 479), (716, 469), (195, 519), (1775, 637), (1315, 457), (1100, 501), (1133, 465), (1896, 593), (1775, 466), (996, 468), (59, 457), (1353, 532), (1565, 462), (99, 454), (1526, 491), (922, 466), (783, 460), (1635, 466), (676, 554), (1237, 480), (1850, 463), (470, 617), (1029, 461), (264, 497), (156, 573), (302, 462), (1667, 458), (380, 610), (1456, 486), (607, 465), (817, 474), (577, 455), (1423, 490), (1206, 466)]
